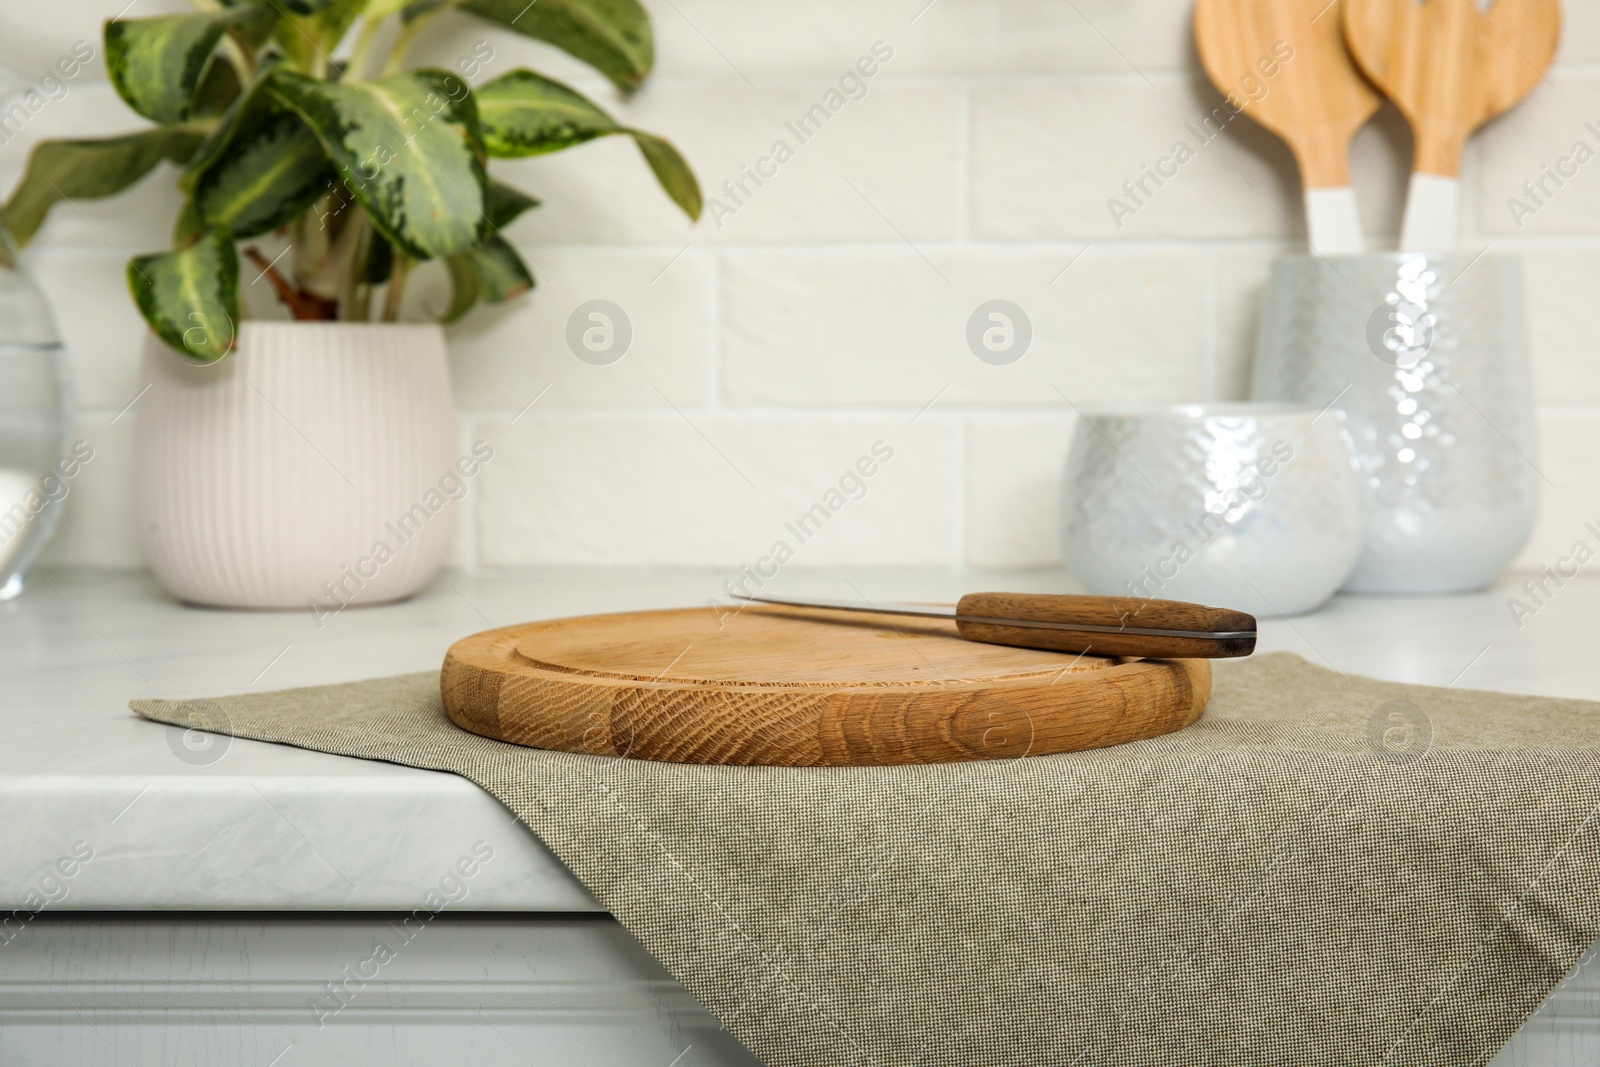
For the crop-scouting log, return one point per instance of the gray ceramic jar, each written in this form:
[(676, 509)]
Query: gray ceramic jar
[(1426, 355)]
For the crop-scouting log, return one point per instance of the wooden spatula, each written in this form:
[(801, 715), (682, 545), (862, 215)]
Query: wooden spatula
[(1286, 63), (1450, 67)]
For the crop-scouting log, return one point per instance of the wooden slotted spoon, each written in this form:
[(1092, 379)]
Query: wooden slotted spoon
[(1450, 67), (1286, 62)]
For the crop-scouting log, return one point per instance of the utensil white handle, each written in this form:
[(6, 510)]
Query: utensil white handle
[(1334, 221), (1433, 209)]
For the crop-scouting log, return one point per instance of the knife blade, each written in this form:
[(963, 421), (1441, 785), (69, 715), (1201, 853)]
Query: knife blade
[(1099, 625)]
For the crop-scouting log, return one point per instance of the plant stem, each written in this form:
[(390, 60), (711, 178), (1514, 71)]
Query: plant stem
[(307, 256), (303, 305), (408, 35), (317, 61), (398, 274), (243, 62), (402, 45), (329, 267), (355, 295), (359, 61)]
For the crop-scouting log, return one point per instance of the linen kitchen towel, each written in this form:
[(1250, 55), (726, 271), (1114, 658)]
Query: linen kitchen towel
[(1324, 870)]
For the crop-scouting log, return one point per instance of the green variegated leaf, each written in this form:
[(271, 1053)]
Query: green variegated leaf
[(188, 227), (410, 150), (273, 171), (527, 114), (492, 272), (308, 31), (83, 170), (269, 127), (612, 36), (672, 171), (250, 105), (260, 169), (190, 297), (506, 203), (156, 64), (464, 287), (501, 272), (217, 91), (257, 30)]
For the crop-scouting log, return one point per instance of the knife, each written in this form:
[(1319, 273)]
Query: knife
[(1097, 625)]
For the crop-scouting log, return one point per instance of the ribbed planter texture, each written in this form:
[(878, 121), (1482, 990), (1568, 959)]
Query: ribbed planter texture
[(303, 469)]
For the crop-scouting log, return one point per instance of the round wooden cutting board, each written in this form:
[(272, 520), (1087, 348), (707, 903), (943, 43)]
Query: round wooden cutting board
[(802, 688)]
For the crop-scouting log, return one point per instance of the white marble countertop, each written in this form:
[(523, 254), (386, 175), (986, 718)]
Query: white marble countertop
[(246, 825)]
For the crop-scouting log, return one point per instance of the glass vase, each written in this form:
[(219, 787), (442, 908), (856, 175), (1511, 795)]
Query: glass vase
[(35, 414)]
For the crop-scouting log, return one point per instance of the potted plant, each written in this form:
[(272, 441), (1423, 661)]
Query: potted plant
[(313, 461)]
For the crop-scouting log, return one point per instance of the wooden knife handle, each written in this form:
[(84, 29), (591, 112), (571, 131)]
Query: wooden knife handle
[(1114, 611)]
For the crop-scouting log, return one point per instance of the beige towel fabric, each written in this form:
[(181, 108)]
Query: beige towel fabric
[(1324, 870)]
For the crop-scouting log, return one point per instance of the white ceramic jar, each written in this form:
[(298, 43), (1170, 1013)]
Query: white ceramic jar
[(311, 466), (1253, 507), (1426, 354)]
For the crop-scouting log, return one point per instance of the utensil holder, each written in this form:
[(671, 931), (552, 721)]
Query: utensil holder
[(1426, 355)]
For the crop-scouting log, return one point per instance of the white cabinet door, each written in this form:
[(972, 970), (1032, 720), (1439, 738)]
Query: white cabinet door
[(348, 990), (374, 990)]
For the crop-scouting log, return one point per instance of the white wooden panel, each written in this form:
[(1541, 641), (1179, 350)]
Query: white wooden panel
[(109, 991)]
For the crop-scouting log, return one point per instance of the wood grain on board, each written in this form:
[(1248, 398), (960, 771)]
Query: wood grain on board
[(802, 687)]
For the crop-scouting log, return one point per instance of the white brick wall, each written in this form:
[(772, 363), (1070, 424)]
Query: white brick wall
[(828, 311)]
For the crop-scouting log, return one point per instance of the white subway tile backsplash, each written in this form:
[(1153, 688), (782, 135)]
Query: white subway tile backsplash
[(1569, 487), (775, 164), (891, 326), (709, 38), (736, 42), (1580, 33), (1539, 167), (1013, 487), (100, 328), (1067, 158), (1380, 171), (694, 488), (1111, 36), (1241, 282), (504, 357), (828, 307), (33, 36), (1563, 321), (100, 525)]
